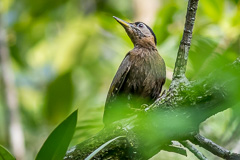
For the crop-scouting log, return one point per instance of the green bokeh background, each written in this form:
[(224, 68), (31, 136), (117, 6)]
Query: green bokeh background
[(65, 53)]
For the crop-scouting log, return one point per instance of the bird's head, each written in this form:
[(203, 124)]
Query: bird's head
[(140, 34)]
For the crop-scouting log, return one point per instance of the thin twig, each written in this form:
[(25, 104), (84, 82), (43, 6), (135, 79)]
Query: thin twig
[(194, 150), (175, 149), (182, 56), (214, 148)]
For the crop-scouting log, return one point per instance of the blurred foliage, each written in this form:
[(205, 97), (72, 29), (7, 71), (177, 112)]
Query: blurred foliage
[(56, 105), (65, 54)]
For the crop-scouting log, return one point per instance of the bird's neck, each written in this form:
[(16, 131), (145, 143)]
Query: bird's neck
[(145, 47), (144, 42), (143, 51)]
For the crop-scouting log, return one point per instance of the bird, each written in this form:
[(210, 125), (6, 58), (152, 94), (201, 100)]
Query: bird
[(139, 78)]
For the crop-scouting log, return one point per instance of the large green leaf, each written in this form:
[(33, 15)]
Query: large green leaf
[(5, 154), (56, 145)]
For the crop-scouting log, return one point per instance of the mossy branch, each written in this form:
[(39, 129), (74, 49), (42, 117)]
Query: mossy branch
[(175, 116), (157, 127)]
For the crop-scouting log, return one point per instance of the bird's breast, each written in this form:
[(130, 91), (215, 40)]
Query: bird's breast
[(145, 74)]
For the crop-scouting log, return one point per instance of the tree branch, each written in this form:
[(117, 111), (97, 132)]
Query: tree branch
[(194, 150), (176, 147), (174, 116), (182, 56), (214, 148), (157, 127)]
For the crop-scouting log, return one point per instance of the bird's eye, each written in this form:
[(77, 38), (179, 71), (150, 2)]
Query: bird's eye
[(140, 25)]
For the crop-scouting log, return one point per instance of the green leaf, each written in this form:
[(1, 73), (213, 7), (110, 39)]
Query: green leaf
[(5, 154), (56, 145)]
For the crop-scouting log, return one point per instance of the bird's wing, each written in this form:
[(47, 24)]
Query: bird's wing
[(119, 79)]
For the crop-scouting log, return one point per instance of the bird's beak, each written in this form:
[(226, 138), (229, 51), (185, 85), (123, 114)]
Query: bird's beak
[(122, 22)]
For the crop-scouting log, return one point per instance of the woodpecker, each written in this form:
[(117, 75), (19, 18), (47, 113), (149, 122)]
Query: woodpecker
[(139, 78)]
